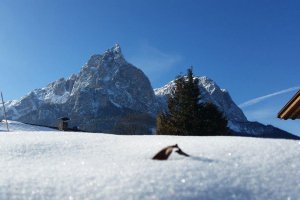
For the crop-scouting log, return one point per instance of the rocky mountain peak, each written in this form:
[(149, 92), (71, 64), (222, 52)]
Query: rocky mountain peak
[(96, 99), (210, 92), (114, 52), (111, 57), (116, 48)]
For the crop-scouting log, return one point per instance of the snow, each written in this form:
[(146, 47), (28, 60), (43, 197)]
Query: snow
[(65, 165), (234, 126), (15, 126)]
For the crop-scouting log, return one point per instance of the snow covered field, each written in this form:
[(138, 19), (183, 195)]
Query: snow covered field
[(20, 127), (64, 165)]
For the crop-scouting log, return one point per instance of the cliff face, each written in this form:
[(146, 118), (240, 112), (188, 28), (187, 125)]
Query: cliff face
[(107, 89)]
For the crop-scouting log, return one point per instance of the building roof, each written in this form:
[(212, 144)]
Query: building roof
[(64, 118), (292, 109)]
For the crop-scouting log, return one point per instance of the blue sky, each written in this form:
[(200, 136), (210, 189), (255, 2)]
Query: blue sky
[(251, 48)]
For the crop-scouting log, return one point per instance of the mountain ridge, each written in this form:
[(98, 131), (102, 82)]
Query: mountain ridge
[(110, 94), (237, 121)]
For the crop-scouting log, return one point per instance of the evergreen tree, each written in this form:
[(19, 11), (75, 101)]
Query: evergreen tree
[(185, 115), (214, 121)]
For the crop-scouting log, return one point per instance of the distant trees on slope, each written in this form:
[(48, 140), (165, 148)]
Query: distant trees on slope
[(134, 123), (186, 115)]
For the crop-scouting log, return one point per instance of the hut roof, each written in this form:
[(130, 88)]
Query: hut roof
[(292, 109), (64, 118)]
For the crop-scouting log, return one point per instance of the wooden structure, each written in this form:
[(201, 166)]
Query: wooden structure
[(63, 124), (4, 111), (292, 109)]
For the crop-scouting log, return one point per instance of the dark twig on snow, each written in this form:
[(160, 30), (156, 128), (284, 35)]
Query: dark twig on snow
[(166, 152)]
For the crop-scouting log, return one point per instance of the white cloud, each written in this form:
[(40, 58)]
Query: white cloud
[(261, 114), (154, 61), (260, 99)]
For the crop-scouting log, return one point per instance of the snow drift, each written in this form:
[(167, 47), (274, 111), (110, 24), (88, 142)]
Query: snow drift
[(67, 165)]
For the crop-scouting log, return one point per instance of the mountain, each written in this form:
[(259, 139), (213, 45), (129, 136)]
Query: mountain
[(107, 95), (111, 95), (237, 121)]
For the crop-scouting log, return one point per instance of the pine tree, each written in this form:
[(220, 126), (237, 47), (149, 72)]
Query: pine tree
[(214, 122), (185, 115)]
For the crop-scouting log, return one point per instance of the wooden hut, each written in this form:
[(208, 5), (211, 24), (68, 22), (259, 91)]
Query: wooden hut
[(63, 123), (292, 109)]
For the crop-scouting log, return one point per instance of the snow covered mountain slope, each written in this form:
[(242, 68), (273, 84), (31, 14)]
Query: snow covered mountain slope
[(106, 90), (66, 165), (237, 121), (210, 92), (15, 126)]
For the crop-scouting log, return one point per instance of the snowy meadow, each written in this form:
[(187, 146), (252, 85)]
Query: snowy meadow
[(45, 164)]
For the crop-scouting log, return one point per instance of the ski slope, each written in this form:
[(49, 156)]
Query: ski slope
[(40, 164)]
